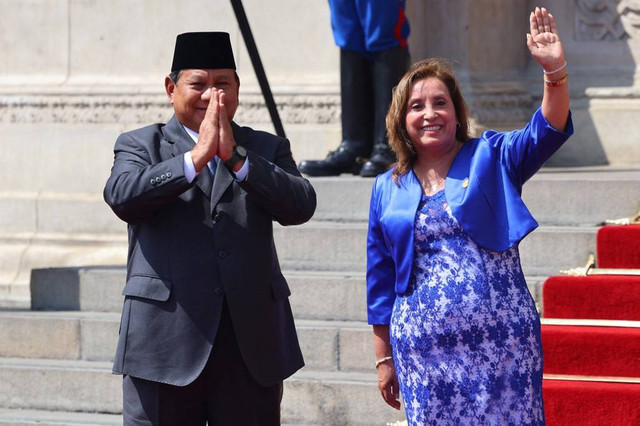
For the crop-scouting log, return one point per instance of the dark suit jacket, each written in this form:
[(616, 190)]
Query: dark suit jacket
[(193, 245)]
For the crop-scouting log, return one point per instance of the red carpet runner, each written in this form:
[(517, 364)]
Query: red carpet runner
[(614, 297), (619, 246), (592, 368), (575, 403)]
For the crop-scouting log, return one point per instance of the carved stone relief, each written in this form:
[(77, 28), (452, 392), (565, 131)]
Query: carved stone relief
[(144, 109), (598, 20), (630, 17), (487, 104)]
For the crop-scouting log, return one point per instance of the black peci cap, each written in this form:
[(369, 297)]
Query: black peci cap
[(203, 50)]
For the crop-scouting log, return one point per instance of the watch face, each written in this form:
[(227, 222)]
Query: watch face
[(241, 151)]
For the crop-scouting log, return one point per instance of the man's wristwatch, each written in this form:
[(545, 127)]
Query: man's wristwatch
[(239, 154)]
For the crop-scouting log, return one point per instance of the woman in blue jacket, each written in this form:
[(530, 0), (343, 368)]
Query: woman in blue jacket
[(455, 327)]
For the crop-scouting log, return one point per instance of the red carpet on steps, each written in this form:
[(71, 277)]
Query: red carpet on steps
[(615, 297), (576, 403), (576, 350), (591, 351), (618, 246)]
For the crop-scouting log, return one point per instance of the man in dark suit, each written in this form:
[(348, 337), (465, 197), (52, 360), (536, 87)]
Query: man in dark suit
[(207, 333)]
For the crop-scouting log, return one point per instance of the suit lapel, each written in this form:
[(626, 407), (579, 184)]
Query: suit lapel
[(221, 182), (181, 142), (224, 178), (205, 182)]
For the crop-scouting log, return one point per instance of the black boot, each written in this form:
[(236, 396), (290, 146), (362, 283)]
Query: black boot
[(345, 159), (388, 67), (356, 97), (381, 159)]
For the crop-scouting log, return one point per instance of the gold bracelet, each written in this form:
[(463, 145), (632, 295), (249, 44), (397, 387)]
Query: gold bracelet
[(381, 360), (558, 82)]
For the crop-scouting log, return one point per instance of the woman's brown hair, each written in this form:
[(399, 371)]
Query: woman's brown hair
[(399, 140)]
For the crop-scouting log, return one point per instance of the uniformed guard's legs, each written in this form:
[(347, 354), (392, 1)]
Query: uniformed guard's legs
[(356, 95), (386, 31), (373, 56), (389, 65)]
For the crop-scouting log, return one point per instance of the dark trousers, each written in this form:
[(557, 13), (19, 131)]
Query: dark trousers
[(224, 394)]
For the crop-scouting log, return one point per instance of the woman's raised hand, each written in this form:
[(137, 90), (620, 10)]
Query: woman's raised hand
[(543, 41)]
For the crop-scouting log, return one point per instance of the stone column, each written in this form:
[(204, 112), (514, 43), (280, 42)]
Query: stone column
[(486, 42)]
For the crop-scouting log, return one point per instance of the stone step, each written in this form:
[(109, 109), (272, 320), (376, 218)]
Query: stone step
[(96, 289), (66, 418), (342, 246), (310, 397), (335, 398), (315, 295), (57, 418), (59, 385), (100, 289), (41, 229), (92, 336), (86, 336), (22, 252), (555, 196), (318, 245)]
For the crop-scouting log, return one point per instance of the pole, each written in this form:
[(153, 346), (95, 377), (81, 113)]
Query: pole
[(257, 65)]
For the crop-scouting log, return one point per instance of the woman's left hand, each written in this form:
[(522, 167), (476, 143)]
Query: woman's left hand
[(388, 384), (543, 41)]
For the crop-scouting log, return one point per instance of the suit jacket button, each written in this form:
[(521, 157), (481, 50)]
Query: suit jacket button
[(153, 181), (217, 291), (163, 177), (222, 254), (169, 174)]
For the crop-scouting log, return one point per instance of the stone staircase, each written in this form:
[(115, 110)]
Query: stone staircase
[(55, 358)]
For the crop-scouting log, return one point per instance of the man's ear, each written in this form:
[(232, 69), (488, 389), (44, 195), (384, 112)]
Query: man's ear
[(169, 87)]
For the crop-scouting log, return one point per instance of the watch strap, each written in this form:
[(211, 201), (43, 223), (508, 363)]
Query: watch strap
[(239, 154)]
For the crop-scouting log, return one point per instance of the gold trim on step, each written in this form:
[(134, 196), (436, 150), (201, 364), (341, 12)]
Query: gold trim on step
[(581, 271), (590, 322), (613, 271), (590, 269), (633, 220), (591, 378)]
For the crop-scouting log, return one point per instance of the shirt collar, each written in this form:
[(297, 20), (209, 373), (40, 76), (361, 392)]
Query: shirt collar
[(194, 135)]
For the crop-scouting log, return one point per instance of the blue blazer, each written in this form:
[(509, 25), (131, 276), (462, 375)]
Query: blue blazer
[(483, 189)]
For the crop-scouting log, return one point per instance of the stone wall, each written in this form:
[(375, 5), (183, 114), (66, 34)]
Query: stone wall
[(103, 63)]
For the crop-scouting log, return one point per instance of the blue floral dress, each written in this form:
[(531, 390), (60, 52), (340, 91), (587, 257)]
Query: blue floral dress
[(466, 334)]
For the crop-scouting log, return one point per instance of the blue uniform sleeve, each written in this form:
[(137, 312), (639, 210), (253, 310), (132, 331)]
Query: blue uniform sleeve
[(381, 276)]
